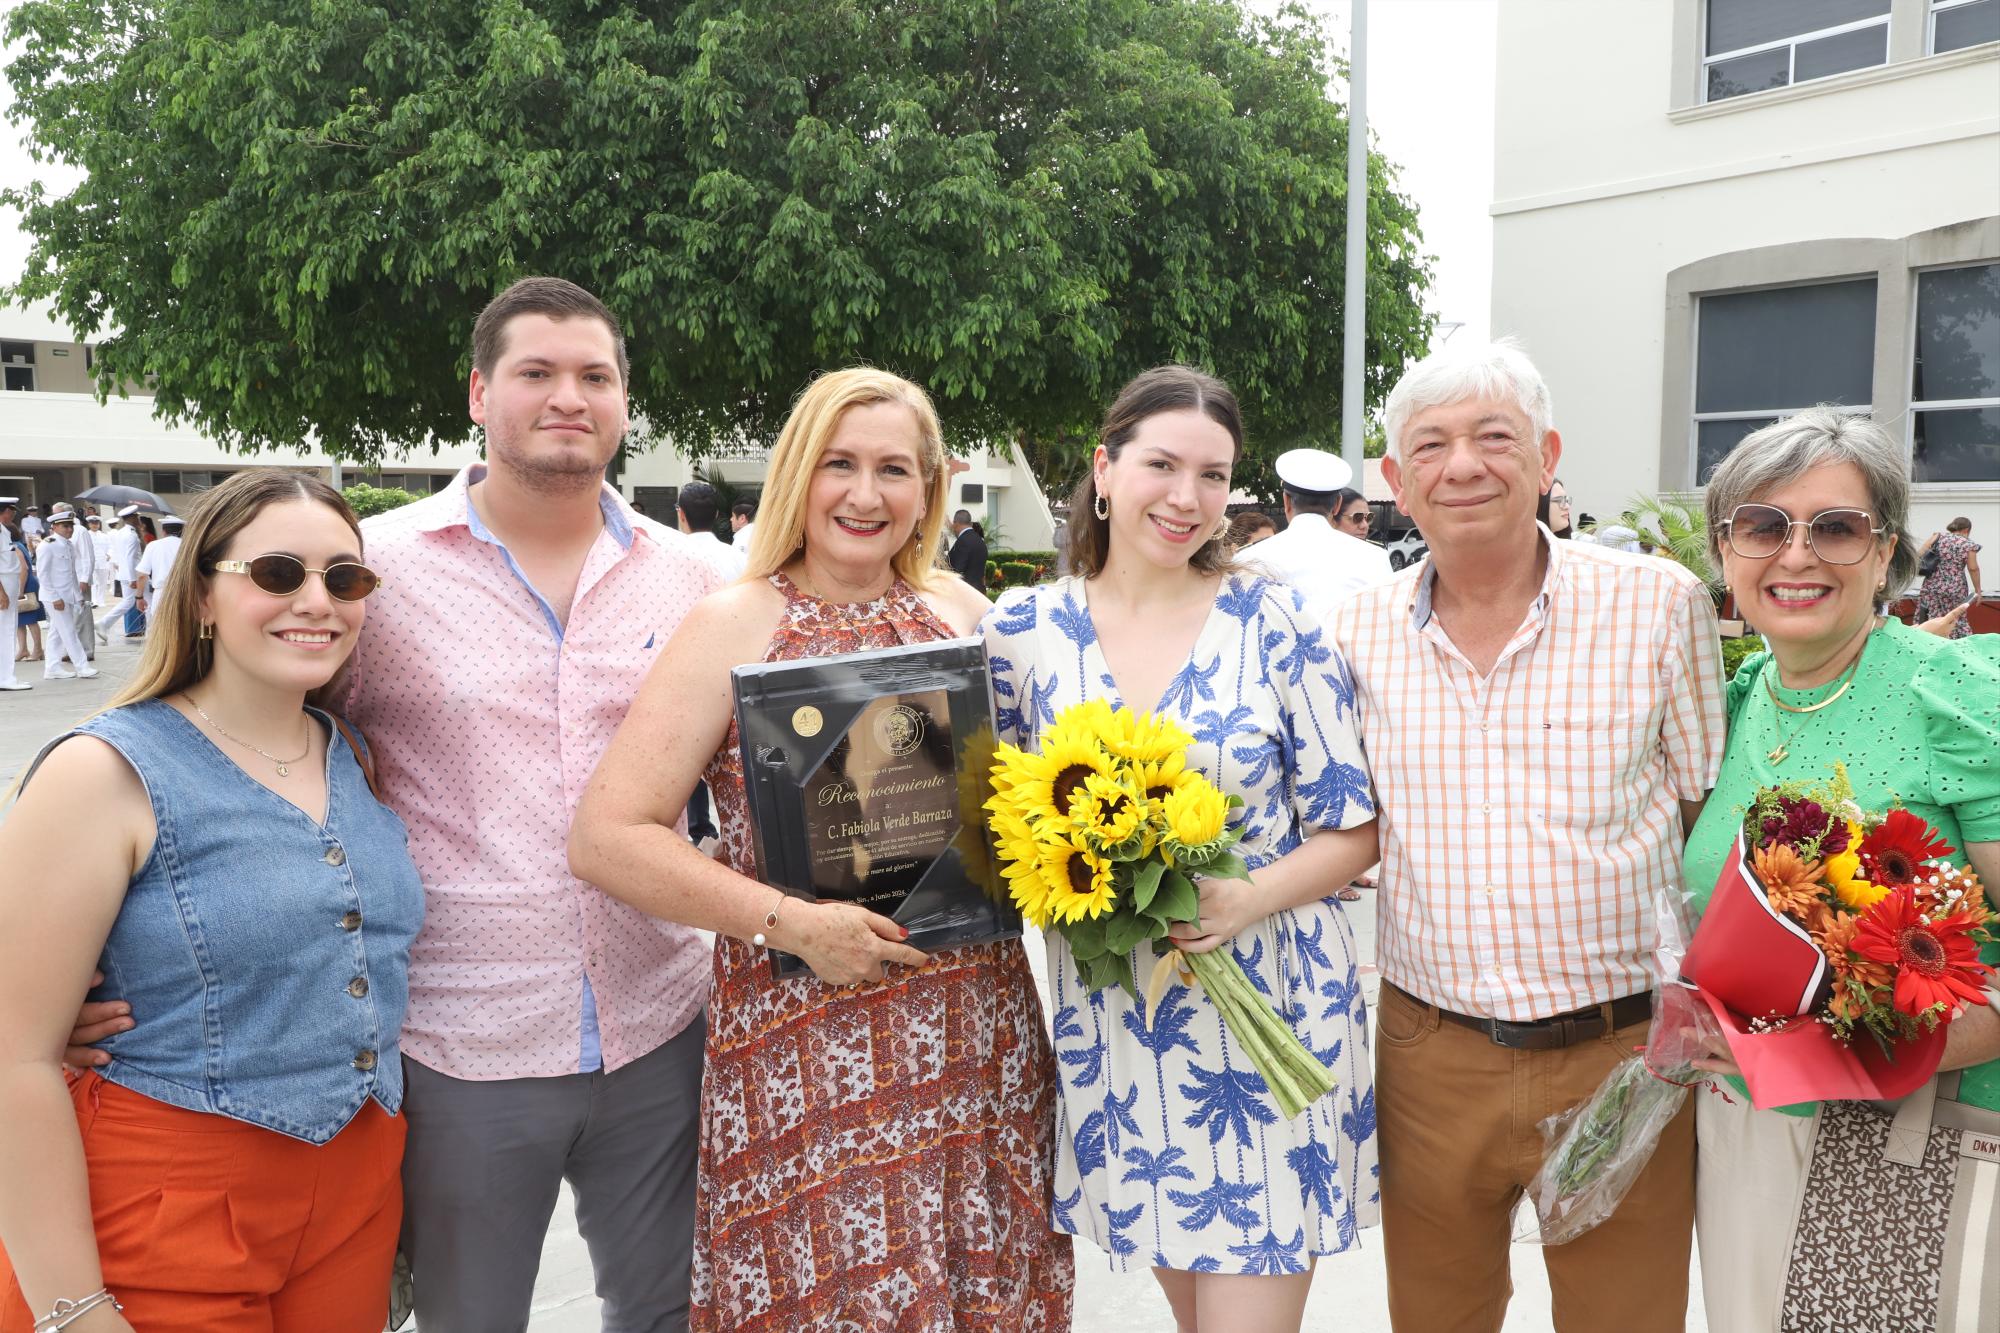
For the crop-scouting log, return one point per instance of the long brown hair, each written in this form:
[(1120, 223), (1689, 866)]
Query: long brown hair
[(1161, 389), (176, 655)]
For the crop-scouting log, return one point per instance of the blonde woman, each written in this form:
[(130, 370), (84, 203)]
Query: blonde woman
[(877, 1137), (234, 1161)]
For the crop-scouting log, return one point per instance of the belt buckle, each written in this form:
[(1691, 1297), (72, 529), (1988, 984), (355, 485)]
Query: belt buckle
[(1502, 1034)]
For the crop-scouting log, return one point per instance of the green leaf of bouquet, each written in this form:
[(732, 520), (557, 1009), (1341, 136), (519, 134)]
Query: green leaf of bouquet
[(1146, 882), (1178, 900), (1227, 866), (1086, 938), (1127, 931)]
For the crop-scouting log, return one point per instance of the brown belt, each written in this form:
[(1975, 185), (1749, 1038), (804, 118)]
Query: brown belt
[(1551, 1034)]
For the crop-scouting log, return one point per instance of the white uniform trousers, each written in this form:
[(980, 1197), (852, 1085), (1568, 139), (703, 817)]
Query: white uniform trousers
[(10, 616), (116, 615), (62, 640)]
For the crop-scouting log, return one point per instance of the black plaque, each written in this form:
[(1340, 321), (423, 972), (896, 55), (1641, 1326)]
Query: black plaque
[(866, 774)]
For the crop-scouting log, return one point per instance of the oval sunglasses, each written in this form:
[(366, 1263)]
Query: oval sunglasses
[(283, 575)]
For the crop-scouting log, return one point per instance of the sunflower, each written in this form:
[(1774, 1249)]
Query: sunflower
[(1791, 884), (1195, 811), (1843, 875), (1050, 780), (1936, 962), (1021, 865), (1895, 852), (1108, 812), (1156, 777), (1149, 738), (1077, 881)]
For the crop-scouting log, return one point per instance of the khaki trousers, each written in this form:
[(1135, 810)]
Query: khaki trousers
[(1459, 1143)]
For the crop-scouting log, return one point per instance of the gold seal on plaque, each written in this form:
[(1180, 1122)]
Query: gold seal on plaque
[(807, 721)]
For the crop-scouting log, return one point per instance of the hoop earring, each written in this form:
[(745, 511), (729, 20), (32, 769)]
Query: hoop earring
[(1101, 507), (207, 631)]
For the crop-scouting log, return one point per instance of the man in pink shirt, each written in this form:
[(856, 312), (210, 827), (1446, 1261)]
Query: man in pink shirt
[(553, 1033), (1539, 717)]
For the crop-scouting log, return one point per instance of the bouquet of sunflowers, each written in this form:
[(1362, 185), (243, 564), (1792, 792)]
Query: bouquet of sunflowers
[(1101, 837)]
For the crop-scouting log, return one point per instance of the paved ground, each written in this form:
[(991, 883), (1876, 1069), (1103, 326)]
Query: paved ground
[(1348, 1294)]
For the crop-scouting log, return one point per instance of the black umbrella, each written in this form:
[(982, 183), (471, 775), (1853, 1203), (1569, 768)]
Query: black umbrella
[(126, 495)]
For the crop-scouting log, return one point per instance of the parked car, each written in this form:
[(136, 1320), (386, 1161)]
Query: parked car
[(1407, 549)]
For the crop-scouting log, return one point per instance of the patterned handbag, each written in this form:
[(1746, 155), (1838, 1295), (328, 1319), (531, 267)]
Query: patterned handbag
[(1910, 1190)]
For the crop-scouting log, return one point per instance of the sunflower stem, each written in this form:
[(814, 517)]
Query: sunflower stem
[(1294, 1075)]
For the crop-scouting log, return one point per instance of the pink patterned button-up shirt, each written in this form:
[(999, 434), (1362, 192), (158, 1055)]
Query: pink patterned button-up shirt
[(486, 724)]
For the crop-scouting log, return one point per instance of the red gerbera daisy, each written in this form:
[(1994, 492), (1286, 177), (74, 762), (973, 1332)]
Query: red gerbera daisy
[(1898, 847), (1935, 962)]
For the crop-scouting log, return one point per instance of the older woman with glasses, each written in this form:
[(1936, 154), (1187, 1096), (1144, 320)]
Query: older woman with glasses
[(1808, 519)]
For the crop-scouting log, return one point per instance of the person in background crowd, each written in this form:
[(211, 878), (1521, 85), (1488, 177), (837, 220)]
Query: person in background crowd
[(85, 543), (156, 563), (1352, 514), (968, 550), (32, 526), (13, 581), (233, 1164), (1541, 718), (124, 546), (1554, 512), (937, 1144), (1250, 527), (695, 511), (1324, 562), (1203, 1181), (27, 644), (742, 520), (55, 571), (1807, 520), (104, 571), (1954, 582)]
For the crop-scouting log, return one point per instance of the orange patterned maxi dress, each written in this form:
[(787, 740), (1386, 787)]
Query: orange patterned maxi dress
[(882, 1158)]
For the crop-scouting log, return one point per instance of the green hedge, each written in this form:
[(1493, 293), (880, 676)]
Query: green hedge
[(1735, 650), (1018, 569), (367, 501)]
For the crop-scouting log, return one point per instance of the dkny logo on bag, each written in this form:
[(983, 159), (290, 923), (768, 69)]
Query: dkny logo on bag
[(1985, 1147)]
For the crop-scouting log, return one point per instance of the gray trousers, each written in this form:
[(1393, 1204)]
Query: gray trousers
[(483, 1165)]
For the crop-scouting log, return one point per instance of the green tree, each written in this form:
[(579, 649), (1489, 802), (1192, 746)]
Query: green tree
[(294, 208), (367, 501)]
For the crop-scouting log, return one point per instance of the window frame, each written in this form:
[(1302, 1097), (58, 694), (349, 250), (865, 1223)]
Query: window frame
[(1931, 12), (1914, 405), (1881, 21)]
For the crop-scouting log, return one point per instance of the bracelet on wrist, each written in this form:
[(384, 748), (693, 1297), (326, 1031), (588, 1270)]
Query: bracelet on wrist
[(770, 922), (66, 1312)]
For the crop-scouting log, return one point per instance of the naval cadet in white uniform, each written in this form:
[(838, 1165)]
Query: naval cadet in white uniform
[(13, 578), (55, 567), (1324, 564), (125, 546)]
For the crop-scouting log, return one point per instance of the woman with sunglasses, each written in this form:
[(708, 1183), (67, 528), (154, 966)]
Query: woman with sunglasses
[(235, 1162), (1808, 520)]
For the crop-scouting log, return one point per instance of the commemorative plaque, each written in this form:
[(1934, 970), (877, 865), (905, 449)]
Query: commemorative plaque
[(865, 775)]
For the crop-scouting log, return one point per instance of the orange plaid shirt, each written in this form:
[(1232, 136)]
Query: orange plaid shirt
[(1528, 817)]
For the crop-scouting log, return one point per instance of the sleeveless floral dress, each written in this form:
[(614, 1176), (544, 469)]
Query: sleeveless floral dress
[(878, 1158)]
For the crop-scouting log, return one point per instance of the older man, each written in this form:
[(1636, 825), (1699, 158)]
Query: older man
[(1539, 717)]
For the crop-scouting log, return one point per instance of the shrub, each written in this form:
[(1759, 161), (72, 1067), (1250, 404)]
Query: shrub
[(367, 501), (1735, 650)]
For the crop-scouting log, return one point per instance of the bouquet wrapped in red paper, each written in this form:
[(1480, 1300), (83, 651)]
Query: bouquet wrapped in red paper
[(1837, 946)]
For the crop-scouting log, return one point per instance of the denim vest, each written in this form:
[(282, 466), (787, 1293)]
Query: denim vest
[(266, 958)]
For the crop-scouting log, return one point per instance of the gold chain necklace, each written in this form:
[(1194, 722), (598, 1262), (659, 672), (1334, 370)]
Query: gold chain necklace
[(1782, 751), (284, 765)]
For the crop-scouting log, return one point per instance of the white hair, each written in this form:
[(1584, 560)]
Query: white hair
[(1453, 375)]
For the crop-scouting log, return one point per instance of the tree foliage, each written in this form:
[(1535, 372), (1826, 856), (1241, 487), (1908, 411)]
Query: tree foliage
[(293, 209), (367, 501)]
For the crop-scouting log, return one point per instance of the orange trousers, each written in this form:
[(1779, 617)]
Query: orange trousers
[(206, 1223)]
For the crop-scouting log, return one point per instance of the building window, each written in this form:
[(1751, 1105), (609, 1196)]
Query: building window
[(1753, 45), (1955, 384), (139, 477), (971, 492), (19, 362), (1760, 355), (1960, 23)]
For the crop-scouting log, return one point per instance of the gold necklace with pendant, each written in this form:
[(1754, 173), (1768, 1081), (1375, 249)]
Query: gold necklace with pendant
[(284, 765), (1782, 750)]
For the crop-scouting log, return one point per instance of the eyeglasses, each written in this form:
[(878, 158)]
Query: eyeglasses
[(1562, 500), (1837, 536), (1360, 518), (283, 575)]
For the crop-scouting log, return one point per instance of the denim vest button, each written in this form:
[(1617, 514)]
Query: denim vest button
[(335, 856), (365, 1061), (358, 987), (351, 921)]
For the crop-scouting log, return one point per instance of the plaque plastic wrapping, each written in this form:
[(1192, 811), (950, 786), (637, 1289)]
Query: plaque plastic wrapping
[(866, 775)]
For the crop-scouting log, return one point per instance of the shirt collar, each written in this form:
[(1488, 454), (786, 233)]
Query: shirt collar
[(1308, 521), (1420, 596), (455, 510)]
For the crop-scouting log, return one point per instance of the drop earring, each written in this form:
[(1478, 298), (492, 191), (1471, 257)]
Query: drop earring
[(1101, 506), (207, 631)]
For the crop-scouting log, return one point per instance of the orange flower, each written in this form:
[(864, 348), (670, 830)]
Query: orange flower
[(1791, 885), (1837, 940)]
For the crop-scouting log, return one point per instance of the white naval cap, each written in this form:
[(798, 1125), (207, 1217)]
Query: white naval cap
[(128, 511), (92, 518), (1313, 470), (9, 500), (62, 516), (171, 520)]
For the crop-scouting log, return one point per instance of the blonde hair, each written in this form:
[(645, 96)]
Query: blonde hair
[(176, 656), (781, 510)]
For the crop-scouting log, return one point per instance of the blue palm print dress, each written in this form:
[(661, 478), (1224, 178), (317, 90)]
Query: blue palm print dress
[(1171, 1151)]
